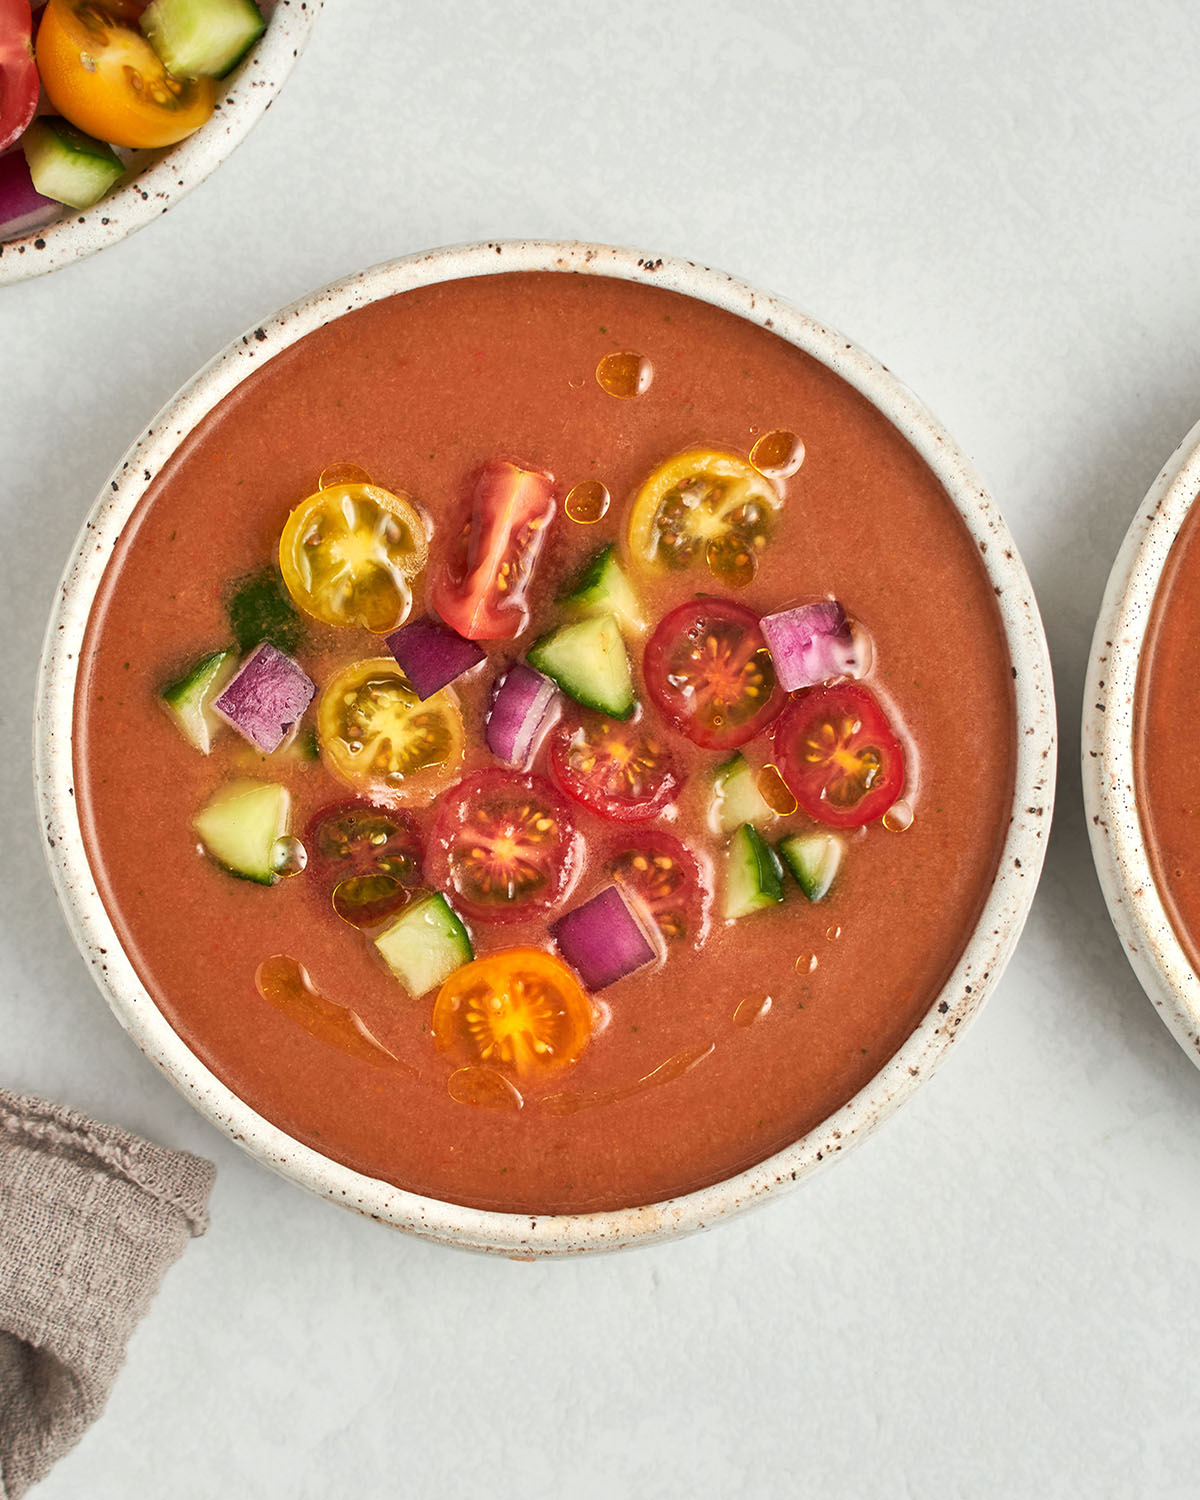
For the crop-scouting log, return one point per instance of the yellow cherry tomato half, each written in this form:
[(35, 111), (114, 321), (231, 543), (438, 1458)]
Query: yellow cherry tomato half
[(379, 738), (702, 506), (349, 554), (102, 75), (521, 1011)]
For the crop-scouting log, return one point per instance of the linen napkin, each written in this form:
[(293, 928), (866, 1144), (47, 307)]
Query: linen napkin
[(90, 1219)]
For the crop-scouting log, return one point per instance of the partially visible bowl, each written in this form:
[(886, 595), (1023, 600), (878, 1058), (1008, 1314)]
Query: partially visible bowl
[(1110, 711), (166, 176)]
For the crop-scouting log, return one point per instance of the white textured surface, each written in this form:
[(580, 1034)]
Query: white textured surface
[(993, 1297)]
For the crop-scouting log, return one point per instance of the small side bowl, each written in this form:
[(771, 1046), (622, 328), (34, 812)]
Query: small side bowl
[(170, 175), (974, 978), (1114, 824)]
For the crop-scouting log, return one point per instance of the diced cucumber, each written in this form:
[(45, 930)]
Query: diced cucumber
[(189, 700), (736, 798), (601, 587), (67, 165), (202, 38), (260, 609), (753, 874), (814, 859), (589, 662), (241, 826), (425, 944)]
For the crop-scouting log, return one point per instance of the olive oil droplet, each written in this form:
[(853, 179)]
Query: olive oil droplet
[(625, 375), (484, 1088), (288, 856), (587, 502), (777, 454), (775, 792), (806, 963), (898, 817), (339, 474), (751, 1010)]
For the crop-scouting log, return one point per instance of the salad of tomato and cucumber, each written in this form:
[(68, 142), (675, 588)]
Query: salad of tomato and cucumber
[(446, 827), (544, 741), (85, 82)]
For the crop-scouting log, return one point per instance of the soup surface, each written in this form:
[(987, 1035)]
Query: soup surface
[(762, 1010), (1166, 714)]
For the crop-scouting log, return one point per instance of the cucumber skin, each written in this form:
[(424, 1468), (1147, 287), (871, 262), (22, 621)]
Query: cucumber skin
[(602, 587), (451, 935), (540, 657), (764, 884), (161, 15), (792, 852)]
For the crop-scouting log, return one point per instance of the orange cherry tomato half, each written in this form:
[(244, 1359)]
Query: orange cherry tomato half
[(839, 756), (709, 671), (621, 771), (480, 588), (18, 75), (520, 1010), (102, 75)]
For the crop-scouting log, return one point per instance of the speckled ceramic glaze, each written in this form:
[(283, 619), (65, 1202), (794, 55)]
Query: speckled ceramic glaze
[(1118, 844), (985, 955), (165, 177)]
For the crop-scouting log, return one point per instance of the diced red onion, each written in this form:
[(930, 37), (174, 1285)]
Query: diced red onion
[(266, 697), (431, 654), (810, 644), (603, 940), (521, 700), (22, 208)]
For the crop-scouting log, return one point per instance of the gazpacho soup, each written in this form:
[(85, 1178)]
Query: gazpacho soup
[(544, 741), (1166, 712)]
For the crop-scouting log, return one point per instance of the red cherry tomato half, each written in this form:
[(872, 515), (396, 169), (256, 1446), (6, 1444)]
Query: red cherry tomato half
[(665, 877), (18, 72), (621, 771), (367, 857), (504, 847), (708, 669), (480, 588), (839, 756)]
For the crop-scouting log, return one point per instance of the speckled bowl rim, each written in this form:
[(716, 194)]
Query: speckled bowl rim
[(1114, 824), (986, 953), (163, 183)]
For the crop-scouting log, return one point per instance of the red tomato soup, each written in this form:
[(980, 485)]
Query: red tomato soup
[(735, 861), (1166, 713)]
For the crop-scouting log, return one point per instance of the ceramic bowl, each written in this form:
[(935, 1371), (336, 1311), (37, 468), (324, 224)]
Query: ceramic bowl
[(166, 176), (1118, 844), (973, 979)]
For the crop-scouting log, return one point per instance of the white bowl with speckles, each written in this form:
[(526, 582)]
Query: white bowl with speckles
[(975, 976), (163, 177), (1114, 824)]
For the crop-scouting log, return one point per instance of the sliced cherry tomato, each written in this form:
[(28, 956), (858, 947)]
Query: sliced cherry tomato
[(480, 589), (665, 877), (380, 739), (505, 846), (349, 553), (367, 858), (709, 671), (703, 506), (837, 752), (102, 74), (621, 771), (18, 74), (521, 1010)]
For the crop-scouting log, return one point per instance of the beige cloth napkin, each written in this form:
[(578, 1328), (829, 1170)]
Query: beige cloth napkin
[(90, 1219)]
